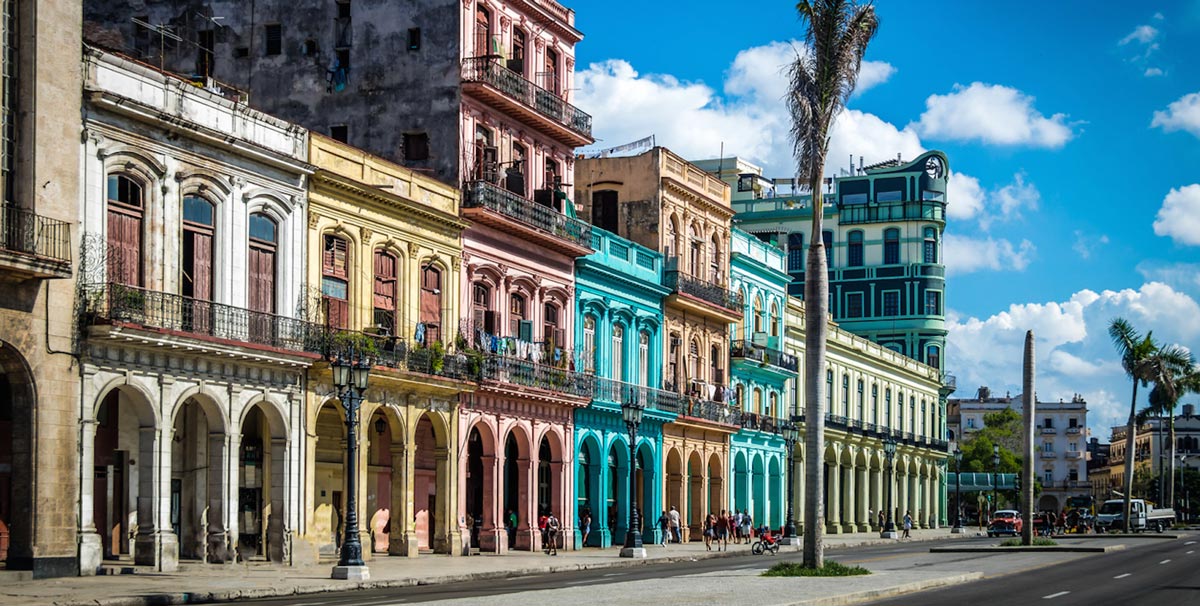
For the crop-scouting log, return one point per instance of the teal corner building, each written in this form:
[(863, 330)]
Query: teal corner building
[(618, 300), (762, 377)]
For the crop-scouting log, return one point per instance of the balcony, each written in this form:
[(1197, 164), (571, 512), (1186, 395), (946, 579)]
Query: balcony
[(871, 430), (1048, 431), (753, 356), (700, 296), (1074, 454), (491, 81), (710, 411), (887, 212), (492, 205), (33, 246), (619, 392), (1047, 454), (762, 423), (395, 354), (1074, 431), (513, 371)]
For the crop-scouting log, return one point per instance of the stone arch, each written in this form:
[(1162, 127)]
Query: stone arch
[(134, 161), (741, 480), (199, 183), (18, 410), (697, 499), (776, 500), (716, 482), (147, 414), (434, 513), (210, 402), (199, 450)]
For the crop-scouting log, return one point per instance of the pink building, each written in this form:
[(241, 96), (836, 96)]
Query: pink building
[(518, 136)]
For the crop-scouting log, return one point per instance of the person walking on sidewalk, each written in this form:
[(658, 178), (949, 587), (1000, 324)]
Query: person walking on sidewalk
[(551, 535), (723, 530), (585, 525), (664, 528), (710, 529), (907, 525), (737, 527), (747, 526), (676, 536)]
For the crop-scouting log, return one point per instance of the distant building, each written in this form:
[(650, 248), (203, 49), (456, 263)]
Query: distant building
[(1153, 448), (1060, 441)]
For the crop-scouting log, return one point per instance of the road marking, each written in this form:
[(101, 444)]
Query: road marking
[(1121, 576), (1190, 543), (1164, 561), (1190, 553), (582, 582), (1055, 595), (616, 574)]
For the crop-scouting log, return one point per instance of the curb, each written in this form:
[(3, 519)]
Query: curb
[(1118, 536), (1031, 548), (871, 595), (171, 599)]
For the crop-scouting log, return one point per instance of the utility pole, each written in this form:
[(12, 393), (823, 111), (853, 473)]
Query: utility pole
[(1030, 397)]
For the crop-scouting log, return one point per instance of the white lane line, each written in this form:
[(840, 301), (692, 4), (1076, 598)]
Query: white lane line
[(1055, 595), (584, 581), (616, 574), (1164, 561), (1190, 543), (1121, 576), (1190, 553)]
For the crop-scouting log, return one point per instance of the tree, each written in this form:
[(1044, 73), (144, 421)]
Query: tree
[(822, 80), (1145, 362), (1179, 376)]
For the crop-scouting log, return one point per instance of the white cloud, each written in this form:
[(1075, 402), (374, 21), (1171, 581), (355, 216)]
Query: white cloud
[(872, 74), (1152, 72), (1182, 114), (1179, 217), (1181, 276), (964, 197), (1142, 34), (964, 255), (992, 114), (1074, 353), (1086, 244)]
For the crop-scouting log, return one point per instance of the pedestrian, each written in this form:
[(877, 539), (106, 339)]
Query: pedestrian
[(737, 526), (675, 534), (908, 521), (585, 524), (722, 534), (551, 535), (710, 528), (747, 525), (542, 521), (664, 527), (512, 528), (881, 519)]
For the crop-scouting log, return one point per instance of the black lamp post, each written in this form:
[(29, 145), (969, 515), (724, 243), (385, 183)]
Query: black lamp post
[(889, 454), (632, 411), (791, 433), (350, 377), (995, 477), (957, 529)]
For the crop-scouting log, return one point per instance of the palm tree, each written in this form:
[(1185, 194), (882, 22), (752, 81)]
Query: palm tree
[(822, 79), (1175, 374), (1145, 362)]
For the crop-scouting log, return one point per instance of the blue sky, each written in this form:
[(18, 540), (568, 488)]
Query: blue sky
[(1072, 128)]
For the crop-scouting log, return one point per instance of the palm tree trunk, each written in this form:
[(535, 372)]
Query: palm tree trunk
[(1130, 455), (816, 306)]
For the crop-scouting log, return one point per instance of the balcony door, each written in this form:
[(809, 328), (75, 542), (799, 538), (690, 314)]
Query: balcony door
[(260, 295), (431, 304), (335, 291), (125, 214), (483, 38), (196, 266)]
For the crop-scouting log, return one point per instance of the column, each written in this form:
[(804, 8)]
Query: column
[(396, 545), (91, 549), (408, 522), (877, 496), (217, 548), (833, 494), (527, 531), (862, 499), (559, 504), (279, 548), (447, 533), (849, 521)]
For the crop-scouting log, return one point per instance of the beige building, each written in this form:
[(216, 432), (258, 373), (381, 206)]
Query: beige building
[(39, 198)]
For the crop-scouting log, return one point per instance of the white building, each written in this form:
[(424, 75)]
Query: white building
[(193, 220), (1060, 443)]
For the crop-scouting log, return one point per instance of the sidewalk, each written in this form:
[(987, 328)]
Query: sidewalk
[(199, 583)]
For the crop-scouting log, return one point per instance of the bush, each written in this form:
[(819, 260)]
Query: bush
[(831, 569), (1037, 542)]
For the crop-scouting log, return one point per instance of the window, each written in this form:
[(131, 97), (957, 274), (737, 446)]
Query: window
[(829, 391), (891, 303), (205, 42), (1048, 477), (1073, 446), (589, 344), (912, 413), (1073, 474), (1048, 423), (924, 418), (335, 273), (861, 401), (618, 350), (933, 303), (827, 240), (1072, 422), (605, 211), (875, 404), (716, 377), (483, 38), (854, 305), (891, 246), (933, 356), (900, 409), (758, 315), (517, 325), (757, 409), (552, 334), (774, 320), (274, 39), (125, 211), (414, 38), (431, 304), (673, 361), (855, 249), (715, 275), (696, 250), (887, 407), (385, 292), (971, 422), (552, 179), (644, 358), (481, 308), (343, 9), (263, 247), (772, 405), (846, 395), (929, 253), (197, 263), (1048, 447), (517, 62), (550, 79), (795, 252), (416, 146), (670, 243), (339, 132)]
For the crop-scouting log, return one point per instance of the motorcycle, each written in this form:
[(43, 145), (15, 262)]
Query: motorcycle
[(766, 542)]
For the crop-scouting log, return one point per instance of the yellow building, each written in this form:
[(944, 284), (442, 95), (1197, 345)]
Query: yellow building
[(384, 248)]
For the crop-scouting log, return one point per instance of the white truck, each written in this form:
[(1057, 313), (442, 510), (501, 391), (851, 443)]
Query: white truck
[(1143, 516)]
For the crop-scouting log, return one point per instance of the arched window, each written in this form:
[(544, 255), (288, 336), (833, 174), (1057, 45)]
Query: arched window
[(773, 405), (126, 209), (589, 344), (671, 241), (197, 250), (696, 252), (929, 253), (517, 63), (739, 395), (758, 401), (694, 361), (891, 246), (263, 249), (335, 277), (855, 249), (618, 350), (481, 309), (644, 357), (518, 326), (758, 315), (385, 292), (483, 38), (774, 319), (933, 356), (431, 304), (552, 332), (715, 274)]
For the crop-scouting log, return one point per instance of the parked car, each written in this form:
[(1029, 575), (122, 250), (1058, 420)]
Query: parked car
[(1005, 521)]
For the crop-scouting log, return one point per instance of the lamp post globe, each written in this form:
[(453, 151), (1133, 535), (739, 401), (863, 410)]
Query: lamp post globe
[(791, 433), (350, 377), (631, 412)]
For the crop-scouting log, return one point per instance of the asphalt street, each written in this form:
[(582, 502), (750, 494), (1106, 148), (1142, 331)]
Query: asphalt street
[(585, 578), (1150, 572)]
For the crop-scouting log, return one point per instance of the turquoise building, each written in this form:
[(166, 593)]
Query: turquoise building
[(618, 299), (761, 376)]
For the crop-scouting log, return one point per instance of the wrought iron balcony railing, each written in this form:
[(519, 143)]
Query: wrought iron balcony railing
[(708, 410), (883, 212), (490, 71), (763, 355), (759, 422), (619, 392), (26, 232), (879, 431), (393, 353), (716, 294), (482, 194), (541, 376)]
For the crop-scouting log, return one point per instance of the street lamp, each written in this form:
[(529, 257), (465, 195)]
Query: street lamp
[(889, 453), (957, 492), (350, 376), (791, 433), (631, 412), (995, 476)]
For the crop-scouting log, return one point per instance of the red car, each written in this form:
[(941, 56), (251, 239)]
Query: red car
[(1005, 521)]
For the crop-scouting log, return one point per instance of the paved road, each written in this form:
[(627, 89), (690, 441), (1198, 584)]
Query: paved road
[(585, 578), (1150, 572)]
